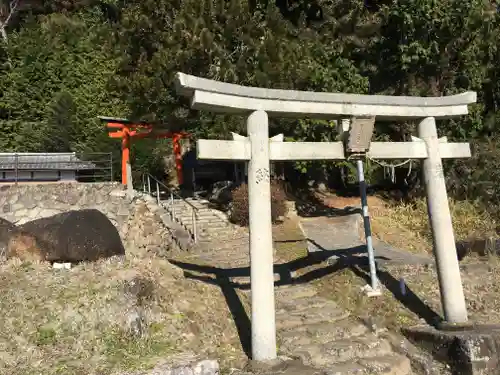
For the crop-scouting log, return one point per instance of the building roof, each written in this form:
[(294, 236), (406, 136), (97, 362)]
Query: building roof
[(43, 161)]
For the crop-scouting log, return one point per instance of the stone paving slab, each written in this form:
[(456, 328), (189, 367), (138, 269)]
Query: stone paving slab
[(386, 254), (339, 237), (294, 292), (331, 233), (306, 303), (288, 320), (387, 365), (321, 332)]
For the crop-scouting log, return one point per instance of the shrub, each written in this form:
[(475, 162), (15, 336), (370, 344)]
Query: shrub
[(239, 211)]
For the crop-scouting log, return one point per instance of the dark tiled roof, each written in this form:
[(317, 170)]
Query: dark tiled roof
[(43, 161)]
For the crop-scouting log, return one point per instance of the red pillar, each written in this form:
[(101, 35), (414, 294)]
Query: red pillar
[(125, 154), (178, 157)]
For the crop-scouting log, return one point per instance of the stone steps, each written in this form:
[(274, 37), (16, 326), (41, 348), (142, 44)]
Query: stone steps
[(208, 224), (208, 220), (324, 336), (392, 364), (200, 216), (321, 332), (344, 350), (310, 327)]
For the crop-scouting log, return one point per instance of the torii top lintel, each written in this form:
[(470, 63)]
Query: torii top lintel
[(126, 129), (218, 96)]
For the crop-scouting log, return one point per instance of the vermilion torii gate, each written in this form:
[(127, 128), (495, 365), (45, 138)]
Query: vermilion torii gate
[(126, 129), (258, 104)]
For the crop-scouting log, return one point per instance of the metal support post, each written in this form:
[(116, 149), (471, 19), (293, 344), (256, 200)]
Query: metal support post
[(374, 289)]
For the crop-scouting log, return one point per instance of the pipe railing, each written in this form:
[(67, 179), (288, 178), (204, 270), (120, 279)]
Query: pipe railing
[(148, 180)]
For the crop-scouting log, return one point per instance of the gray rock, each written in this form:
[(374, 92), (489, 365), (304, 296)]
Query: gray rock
[(18, 206), (14, 198), (123, 211), (139, 290), (118, 193), (136, 322), (7, 229), (47, 213), (100, 198), (182, 364), (21, 213)]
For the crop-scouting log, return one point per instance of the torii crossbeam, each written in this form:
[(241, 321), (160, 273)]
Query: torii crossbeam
[(125, 129)]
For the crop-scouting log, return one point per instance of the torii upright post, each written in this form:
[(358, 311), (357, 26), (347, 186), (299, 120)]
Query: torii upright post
[(125, 155), (261, 240), (223, 97), (176, 146), (452, 294)]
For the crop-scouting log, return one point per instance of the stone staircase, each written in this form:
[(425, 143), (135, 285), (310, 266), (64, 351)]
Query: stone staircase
[(314, 329), (197, 217)]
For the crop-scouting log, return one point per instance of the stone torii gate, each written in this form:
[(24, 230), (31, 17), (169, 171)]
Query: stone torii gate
[(259, 103)]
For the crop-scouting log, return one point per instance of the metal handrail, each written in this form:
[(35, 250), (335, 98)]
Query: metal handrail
[(194, 209)]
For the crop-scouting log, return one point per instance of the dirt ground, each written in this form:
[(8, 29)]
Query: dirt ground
[(75, 321)]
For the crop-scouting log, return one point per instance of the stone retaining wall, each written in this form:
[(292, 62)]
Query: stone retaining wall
[(138, 221), (23, 203)]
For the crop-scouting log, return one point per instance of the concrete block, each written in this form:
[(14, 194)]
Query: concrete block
[(467, 349)]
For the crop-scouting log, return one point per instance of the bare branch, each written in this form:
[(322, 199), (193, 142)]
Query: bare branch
[(3, 24), (13, 7)]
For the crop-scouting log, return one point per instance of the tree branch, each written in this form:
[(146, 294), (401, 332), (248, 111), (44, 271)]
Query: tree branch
[(3, 25)]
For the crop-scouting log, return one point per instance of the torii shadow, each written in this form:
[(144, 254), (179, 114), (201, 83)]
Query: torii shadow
[(346, 258)]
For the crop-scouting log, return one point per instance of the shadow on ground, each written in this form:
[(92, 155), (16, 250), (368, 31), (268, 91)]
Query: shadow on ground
[(316, 209), (320, 267), (307, 204)]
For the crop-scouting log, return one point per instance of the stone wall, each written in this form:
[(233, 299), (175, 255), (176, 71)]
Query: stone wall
[(139, 220), (23, 203), (146, 231)]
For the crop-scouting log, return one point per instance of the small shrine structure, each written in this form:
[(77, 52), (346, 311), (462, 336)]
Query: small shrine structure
[(126, 130)]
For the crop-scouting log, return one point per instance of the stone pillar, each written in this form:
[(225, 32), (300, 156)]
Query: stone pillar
[(450, 283), (261, 242)]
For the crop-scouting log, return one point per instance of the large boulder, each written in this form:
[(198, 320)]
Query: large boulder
[(14, 242), (73, 236), (26, 246), (7, 229)]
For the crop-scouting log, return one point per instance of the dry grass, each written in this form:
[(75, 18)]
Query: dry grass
[(74, 322), (406, 225)]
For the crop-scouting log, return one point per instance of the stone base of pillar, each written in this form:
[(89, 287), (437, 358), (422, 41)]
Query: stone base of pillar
[(468, 349)]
